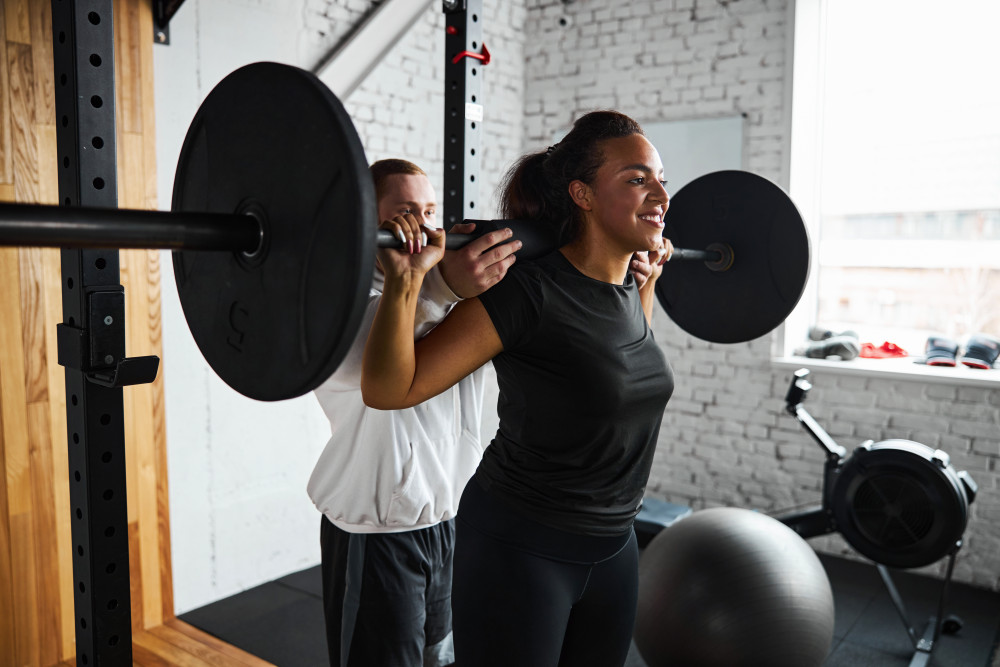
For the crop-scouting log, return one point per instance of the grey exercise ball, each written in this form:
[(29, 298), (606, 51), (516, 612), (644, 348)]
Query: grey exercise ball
[(728, 587)]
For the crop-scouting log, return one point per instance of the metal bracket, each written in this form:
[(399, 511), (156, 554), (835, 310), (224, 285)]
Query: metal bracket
[(99, 350), (127, 372), (163, 11)]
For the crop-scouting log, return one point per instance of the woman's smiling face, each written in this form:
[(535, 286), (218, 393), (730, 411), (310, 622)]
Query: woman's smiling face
[(627, 197)]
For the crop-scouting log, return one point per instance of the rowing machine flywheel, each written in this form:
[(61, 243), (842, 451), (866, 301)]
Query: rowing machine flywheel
[(901, 503)]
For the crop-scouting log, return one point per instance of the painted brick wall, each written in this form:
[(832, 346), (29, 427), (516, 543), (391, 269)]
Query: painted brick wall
[(399, 109), (725, 438)]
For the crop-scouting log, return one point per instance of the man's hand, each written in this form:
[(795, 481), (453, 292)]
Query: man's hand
[(472, 270)]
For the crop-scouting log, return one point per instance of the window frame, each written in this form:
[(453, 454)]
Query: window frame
[(802, 102)]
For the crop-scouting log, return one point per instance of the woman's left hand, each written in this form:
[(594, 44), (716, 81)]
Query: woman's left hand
[(644, 267)]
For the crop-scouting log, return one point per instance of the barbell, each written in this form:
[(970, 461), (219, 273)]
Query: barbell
[(273, 225)]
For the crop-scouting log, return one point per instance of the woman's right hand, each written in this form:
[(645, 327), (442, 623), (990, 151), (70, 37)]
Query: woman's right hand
[(415, 257)]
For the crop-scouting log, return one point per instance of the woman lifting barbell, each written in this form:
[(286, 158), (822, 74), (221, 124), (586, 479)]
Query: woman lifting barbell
[(545, 566)]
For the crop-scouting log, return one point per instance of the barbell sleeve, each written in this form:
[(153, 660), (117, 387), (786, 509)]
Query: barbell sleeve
[(687, 254), (46, 226)]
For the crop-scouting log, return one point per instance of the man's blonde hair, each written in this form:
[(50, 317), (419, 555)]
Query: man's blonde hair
[(382, 169)]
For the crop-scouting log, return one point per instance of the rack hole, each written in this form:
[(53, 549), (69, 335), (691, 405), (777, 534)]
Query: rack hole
[(473, 71), (83, 589), (113, 640), (76, 475), (69, 284), (475, 19), (473, 126), (83, 623), (112, 604), (106, 457), (65, 121), (65, 161), (76, 438), (475, 45), (95, 60), (110, 569), (100, 263), (97, 143), (472, 204), (472, 177), (73, 399), (79, 550), (72, 322), (94, 17), (108, 494), (473, 98), (67, 201), (109, 531), (472, 151), (79, 513), (63, 79), (62, 37), (98, 183), (105, 418), (96, 101)]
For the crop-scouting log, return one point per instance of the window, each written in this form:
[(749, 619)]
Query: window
[(895, 165)]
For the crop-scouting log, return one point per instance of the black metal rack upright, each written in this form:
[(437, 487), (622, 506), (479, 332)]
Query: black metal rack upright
[(465, 56), (91, 338)]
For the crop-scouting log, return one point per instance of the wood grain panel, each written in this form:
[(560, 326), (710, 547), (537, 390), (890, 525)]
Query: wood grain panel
[(146, 79), (40, 23), (48, 165), (207, 654), (7, 629), (143, 657), (160, 440), (22, 100), (16, 13), (215, 643), (33, 324), (43, 514), (6, 152), (127, 66), (27, 642), (135, 576), (13, 412)]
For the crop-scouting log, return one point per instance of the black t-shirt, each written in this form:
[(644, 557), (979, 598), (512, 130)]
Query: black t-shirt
[(582, 391)]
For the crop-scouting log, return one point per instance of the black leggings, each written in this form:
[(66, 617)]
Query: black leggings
[(532, 596)]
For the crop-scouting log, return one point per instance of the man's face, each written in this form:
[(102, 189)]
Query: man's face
[(408, 193)]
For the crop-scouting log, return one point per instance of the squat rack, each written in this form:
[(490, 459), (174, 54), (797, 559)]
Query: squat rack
[(91, 339)]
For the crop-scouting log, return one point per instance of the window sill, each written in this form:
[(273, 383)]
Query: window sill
[(896, 369)]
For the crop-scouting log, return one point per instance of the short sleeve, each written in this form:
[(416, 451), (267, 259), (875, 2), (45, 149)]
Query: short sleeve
[(515, 304)]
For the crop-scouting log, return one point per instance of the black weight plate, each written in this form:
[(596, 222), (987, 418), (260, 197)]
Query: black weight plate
[(273, 139), (770, 257)]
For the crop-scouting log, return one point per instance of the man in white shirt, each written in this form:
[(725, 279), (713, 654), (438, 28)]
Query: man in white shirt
[(388, 482)]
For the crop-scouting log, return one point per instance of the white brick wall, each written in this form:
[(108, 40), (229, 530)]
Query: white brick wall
[(399, 109), (726, 439)]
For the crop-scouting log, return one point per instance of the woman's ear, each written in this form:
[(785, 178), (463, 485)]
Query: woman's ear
[(581, 194)]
